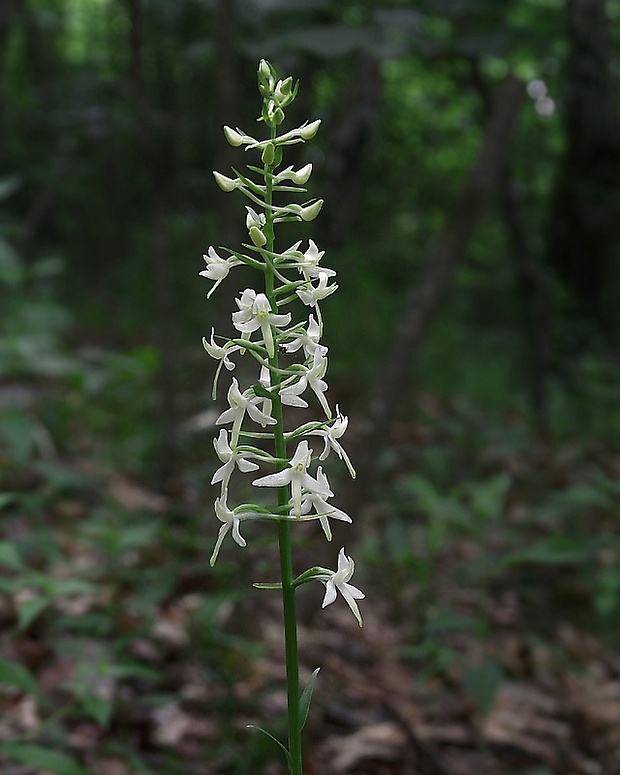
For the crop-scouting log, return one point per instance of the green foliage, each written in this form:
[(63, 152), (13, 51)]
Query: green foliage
[(483, 682), (42, 758), (89, 203)]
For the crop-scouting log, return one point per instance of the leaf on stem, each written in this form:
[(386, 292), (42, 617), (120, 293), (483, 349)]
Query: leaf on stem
[(267, 585), (306, 697), (275, 740)]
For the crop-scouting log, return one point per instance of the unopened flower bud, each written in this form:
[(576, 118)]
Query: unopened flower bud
[(257, 236), (269, 153), (233, 137), (264, 72), (283, 93), (308, 131), (301, 176), (276, 116), (310, 212), (283, 88), (225, 183)]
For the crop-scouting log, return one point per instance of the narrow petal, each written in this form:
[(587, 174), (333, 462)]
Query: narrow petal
[(326, 528), (236, 534), (352, 605), (220, 537), (228, 415), (260, 417), (245, 466), (330, 593), (280, 479), (313, 485), (224, 472)]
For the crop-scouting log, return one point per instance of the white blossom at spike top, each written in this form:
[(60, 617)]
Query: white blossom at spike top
[(267, 333)]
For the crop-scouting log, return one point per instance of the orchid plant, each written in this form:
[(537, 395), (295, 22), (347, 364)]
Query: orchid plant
[(291, 364)]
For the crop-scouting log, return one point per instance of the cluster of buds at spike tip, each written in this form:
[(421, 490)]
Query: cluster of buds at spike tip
[(291, 359)]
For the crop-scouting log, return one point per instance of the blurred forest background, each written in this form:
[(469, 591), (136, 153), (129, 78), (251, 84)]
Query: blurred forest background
[(469, 156)]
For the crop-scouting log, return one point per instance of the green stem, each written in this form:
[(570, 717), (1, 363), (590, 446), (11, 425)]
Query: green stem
[(284, 527)]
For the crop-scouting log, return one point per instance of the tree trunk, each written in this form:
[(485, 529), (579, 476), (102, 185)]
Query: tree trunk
[(152, 164), (227, 111), (349, 141), (536, 294), (426, 296), (9, 14), (585, 225), (534, 284)]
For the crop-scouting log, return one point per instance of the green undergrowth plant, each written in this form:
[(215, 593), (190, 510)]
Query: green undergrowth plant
[(491, 515), (278, 324)]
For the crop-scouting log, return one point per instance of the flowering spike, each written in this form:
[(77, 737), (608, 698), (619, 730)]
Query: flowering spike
[(266, 331)]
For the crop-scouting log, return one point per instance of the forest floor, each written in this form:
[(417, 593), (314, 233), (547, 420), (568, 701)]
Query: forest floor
[(489, 647)]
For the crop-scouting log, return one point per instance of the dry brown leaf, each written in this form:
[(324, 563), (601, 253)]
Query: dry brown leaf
[(171, 724), (172, 622), (525, 717), (379, 742), (133, 497), (112, 767)]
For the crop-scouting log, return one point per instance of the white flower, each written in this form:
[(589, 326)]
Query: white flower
[(217, 267), (290, 394), (298, 478), (239, 404), (310, 294), (231, 521), (312, 377), (338, 581), (220, 352), (254, 219), (330, 435), (265, 381), (254, 313), (323, 509), (307, 338), (310, 264), (230, 458)]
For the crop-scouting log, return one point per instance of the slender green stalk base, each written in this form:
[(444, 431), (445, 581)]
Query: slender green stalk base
[(290, 644)]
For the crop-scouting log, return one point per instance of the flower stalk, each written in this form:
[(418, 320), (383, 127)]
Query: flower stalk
[(289, 278)]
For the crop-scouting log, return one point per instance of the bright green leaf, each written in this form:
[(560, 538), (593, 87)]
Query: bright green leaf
[(276, 741), (552, 550), (42, 758), (97, 707), (15, 674), (483, 682), (9, 556), (28, 610)]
